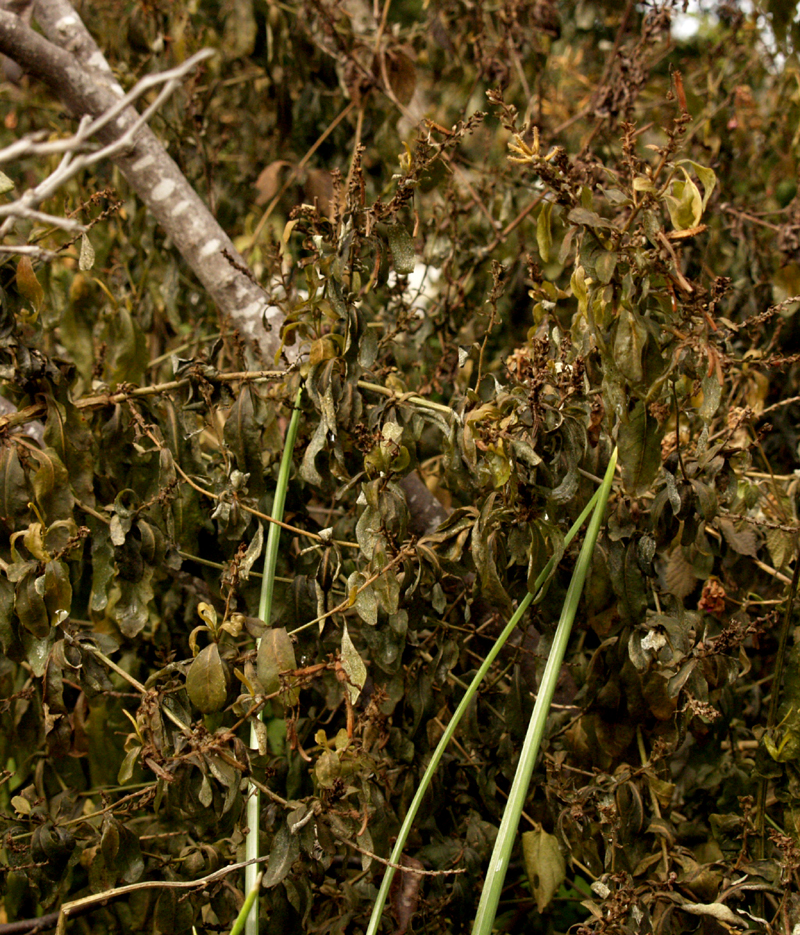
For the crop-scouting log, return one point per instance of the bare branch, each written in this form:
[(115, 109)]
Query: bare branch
[(71, 165), (28, 250)]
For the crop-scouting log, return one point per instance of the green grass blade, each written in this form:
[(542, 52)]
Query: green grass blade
[(506, 836), (252, 895), (405, 829), (264, 611)]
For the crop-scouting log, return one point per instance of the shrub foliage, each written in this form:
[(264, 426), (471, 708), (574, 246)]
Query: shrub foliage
[(504, 238)]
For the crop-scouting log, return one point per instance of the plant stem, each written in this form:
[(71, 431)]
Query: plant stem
[(264, 612), (506, 836), (425, 782)]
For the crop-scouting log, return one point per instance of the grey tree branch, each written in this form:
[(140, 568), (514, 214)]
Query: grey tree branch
[(72, 164), (69, 62)]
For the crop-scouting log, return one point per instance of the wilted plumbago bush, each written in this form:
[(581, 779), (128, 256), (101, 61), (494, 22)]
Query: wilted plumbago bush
[(498, 243)]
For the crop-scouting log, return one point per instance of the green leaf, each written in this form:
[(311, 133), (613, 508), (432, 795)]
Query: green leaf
[(712, 396), (285, 851), (243, 436), (642, 184), (129, 357), (366, 601), (57, 591), (328, 768), (579, 289), (14, 494), (588, 218), (128, 765), (404, 257), (30, 607), (51, 485), (67, 434), (7, 626), (684, 203), (544, 864), (207, 680), (605, 264), (131, 610), (707, 178), (129, 861), (544, 233), (639, 450), (629, 344), (486, 542), (276, 656)]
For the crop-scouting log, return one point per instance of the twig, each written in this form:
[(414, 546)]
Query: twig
[(132, 681), (388, 863), (39, 410), (772, 571), (347, 604), (293, 175), (267, 519), (407, 398), (512, 225), (86, 901), (782, 402)]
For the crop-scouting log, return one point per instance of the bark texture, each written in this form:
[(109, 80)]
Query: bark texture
[(67, 59)]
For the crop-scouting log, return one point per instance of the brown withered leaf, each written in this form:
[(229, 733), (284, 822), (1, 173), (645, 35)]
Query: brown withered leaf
[(680, 576), (742, 540), (405, 893), (29, 287), (270, 180), (712, 600), (401, 74), (319, 187)]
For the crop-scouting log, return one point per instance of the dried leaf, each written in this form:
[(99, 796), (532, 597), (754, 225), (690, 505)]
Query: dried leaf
[(86, 259), (401, 74), (353, 665), (269, 181), (28, 285), (680, 577), (252, 553), (404, 893), (742, 540)]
